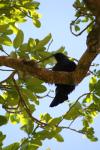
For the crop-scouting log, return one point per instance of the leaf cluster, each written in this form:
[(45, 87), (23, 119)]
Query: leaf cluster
[(21, 94)]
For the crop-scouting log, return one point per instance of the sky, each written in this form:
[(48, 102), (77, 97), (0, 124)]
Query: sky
[(56, 17)]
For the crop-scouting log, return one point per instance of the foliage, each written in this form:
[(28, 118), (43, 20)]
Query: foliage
[(21, 93), (83, 16)]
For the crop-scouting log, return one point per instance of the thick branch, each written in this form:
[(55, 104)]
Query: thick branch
[(94, 7), (83, 65), (51, 76), (31, 67)]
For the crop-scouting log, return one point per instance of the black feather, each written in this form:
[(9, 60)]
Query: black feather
[(62, 90)]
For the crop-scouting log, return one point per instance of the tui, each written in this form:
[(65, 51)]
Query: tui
[(62, 90)]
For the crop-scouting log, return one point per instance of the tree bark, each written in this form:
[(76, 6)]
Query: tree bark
[(31, 67)]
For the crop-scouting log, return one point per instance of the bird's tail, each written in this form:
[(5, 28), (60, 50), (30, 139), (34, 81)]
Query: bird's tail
[(60, 97), (57, 100)]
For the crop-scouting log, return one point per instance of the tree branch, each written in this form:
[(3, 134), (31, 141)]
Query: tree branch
[(31, 67), (25, 106), (50, 76)]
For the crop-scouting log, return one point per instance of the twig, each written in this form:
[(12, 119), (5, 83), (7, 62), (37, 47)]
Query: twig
[(72, 107), (6, 70), (26, 107), (81, 97), (91, 72), (71, 123), (49, 45), (10, 76), (95, 65), (82, 30), (34, 131), (47, 95), (5, 52), (78, 131), (50, 96)]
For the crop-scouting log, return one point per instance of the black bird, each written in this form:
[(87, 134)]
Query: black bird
[(62, 90)]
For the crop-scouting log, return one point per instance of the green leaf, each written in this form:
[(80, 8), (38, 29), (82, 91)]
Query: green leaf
[(33, 82), (1, 100), (93, 108), (60, 50), (14, 118), (97, 88), (96, 100), (77, 28), (2, 5), (86, 19), (28, 94), (35, 85), (74, 112), (32, 107), (39, 89), (18, 39), (78, 21), (89, 132), (85, 123), (23, 120), (13, 28), (32, 147), (14, 146), (28, 128), (22, 49), (54, 121), (28, 5), (3, 120), (43, 42), (1, 48), (45, 117), (2, 137), (98, 73), (11, 97), (92, 83), (37, 23), (59, 138), (45, 134), (88, 98), (3, 28), (31, 44), (5, 40), (36, 142)]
